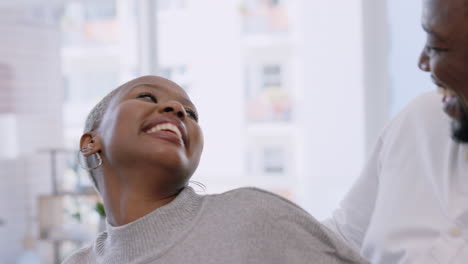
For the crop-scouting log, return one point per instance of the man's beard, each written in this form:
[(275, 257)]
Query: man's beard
[(460, 126)]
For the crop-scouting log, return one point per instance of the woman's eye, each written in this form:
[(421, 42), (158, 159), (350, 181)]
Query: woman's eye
[(192, 114), (148, 97)]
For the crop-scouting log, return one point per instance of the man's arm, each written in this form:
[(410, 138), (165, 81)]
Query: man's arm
[(351, 219)]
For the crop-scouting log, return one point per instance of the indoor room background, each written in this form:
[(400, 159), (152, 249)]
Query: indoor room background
[(292, 95)]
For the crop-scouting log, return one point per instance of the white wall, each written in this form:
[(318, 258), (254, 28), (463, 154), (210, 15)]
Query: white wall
[(406, 42), (9, 149), (333, 106), (360, 70), (377, 83)]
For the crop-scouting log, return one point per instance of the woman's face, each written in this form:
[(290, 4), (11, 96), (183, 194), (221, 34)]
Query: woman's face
[(151, 123)]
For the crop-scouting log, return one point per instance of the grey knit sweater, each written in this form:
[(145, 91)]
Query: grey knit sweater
[(246, 225)]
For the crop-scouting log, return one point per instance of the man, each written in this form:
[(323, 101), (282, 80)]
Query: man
[(410, 204)]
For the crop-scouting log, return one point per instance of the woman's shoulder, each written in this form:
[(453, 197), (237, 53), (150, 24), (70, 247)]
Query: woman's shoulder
[(259, 202), (87, 254), (82, 255), (279, 222), (260, 195)]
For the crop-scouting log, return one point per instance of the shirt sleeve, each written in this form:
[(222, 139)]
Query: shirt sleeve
[(351, 219)]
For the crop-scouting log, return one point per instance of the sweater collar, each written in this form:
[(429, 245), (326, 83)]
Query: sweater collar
[(152, 232)]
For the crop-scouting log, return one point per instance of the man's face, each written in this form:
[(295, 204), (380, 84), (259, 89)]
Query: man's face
[(445, 56)]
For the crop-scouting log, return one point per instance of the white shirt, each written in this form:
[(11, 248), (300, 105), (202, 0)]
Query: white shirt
[(410, 205)]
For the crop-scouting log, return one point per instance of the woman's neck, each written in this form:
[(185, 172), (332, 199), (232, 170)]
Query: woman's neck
[(127, 201), (131, 206)]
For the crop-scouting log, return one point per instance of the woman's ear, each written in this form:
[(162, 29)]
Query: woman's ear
[(90, 144)]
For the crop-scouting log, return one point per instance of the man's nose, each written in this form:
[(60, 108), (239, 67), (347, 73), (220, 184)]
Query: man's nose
[(423, 62)]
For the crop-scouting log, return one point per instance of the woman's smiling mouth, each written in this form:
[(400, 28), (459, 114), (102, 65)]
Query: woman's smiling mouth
[(167, 129), (166, 132)]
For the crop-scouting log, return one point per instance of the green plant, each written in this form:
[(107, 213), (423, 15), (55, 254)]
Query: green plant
[(77, 216), (99, 208)]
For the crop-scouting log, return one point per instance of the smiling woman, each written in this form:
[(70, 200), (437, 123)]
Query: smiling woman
[(142, 143), (151, 106)]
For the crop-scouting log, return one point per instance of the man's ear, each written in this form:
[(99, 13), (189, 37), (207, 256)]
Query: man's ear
[(90, 144)]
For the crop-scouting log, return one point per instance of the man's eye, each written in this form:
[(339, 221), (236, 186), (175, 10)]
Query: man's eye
[(192, 114), (434, 50), (148, 97)]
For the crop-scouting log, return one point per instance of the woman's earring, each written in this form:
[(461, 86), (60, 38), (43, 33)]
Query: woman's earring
[(98, 158)]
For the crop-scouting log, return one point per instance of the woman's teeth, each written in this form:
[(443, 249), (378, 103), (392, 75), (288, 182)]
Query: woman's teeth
[(165, 126)]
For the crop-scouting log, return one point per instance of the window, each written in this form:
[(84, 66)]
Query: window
[(274, 160), (100, 10), (271, 75), (87, 86), (98, 52), (274, 2), (171, 4), (269, 155), (268, 99), (264, 16), (89, 23)]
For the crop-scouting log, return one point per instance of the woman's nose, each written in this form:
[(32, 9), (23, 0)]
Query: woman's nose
[(173, 107)]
